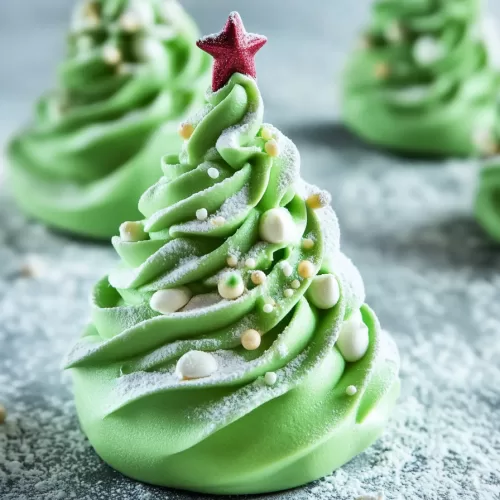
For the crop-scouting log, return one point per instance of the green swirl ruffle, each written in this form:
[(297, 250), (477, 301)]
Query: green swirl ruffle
[(230, 432), (437, 107), (92, 148)]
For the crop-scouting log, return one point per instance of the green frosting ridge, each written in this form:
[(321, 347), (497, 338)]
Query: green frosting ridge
[(488, 199), (230, 432), (131, 74), (425, 80)]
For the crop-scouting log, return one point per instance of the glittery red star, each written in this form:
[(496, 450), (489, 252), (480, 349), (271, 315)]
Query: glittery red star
[(233, 50)]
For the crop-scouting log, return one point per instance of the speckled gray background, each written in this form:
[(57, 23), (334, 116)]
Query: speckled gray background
[(432, 276)]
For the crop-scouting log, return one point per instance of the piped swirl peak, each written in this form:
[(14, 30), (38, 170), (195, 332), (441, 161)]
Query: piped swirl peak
[(233, 308)]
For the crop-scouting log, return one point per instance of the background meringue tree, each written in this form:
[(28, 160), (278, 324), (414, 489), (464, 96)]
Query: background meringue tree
[(131, 73), (425, 78)]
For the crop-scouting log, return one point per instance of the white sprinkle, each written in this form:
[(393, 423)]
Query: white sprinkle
[(270, 378), (277, 226), (268, 308), (202, 214), (427, 50), (351, 390), (213, 173), (250, 263), (288, 293), (111, 54), (286, 268), (232, 261), (295, 284)]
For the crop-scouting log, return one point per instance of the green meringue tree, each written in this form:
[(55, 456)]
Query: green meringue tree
[(231, 351), (425, 78), (129, 76)]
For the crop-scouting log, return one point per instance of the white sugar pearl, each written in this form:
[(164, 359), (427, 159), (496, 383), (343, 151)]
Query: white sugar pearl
[(202, 214), (231, 286), (250, 339), (286, 268), (250, 263), (353, 340), (170, 300), (427, 50), (195, 364), (213, 173), (295, 284), (132, 231), (324, 291), (232, 261), (111, 55), (351, 390), (288, 293), (258, 277), (277, 226), (268, 308), (270, 378)]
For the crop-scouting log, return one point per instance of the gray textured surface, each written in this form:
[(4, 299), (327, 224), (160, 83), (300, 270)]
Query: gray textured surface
[(431, 275)]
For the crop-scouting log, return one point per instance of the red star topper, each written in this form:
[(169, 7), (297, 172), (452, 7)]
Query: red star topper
[(233, 50)]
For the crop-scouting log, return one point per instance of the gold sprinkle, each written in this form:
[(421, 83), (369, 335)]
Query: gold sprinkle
[(186, 130), (318, 200), (306, 269), (382, 70), (272, 148), (258, 277), (250, 339)]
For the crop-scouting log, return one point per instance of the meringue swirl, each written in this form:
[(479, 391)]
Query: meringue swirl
[(257, 419), (131, 74), (426, 79), (487, 207)]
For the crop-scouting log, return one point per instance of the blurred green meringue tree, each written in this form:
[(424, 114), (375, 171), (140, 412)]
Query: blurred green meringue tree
[(425, 78)]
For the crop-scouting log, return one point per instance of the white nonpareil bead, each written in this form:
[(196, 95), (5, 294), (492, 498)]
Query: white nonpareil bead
[(202, 214), (324, 291), (277, 226), (270, 378), (195, 364), (286, 268), (351, 390), (171, 300), (213, 173), (427, 50), (250, 263), (353, 339), (111, 54)]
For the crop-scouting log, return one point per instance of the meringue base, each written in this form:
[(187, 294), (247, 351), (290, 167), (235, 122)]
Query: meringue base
[(444, 131), (296, 438)]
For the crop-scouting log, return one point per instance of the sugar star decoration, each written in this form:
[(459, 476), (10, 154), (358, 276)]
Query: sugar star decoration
[(233, 49)]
